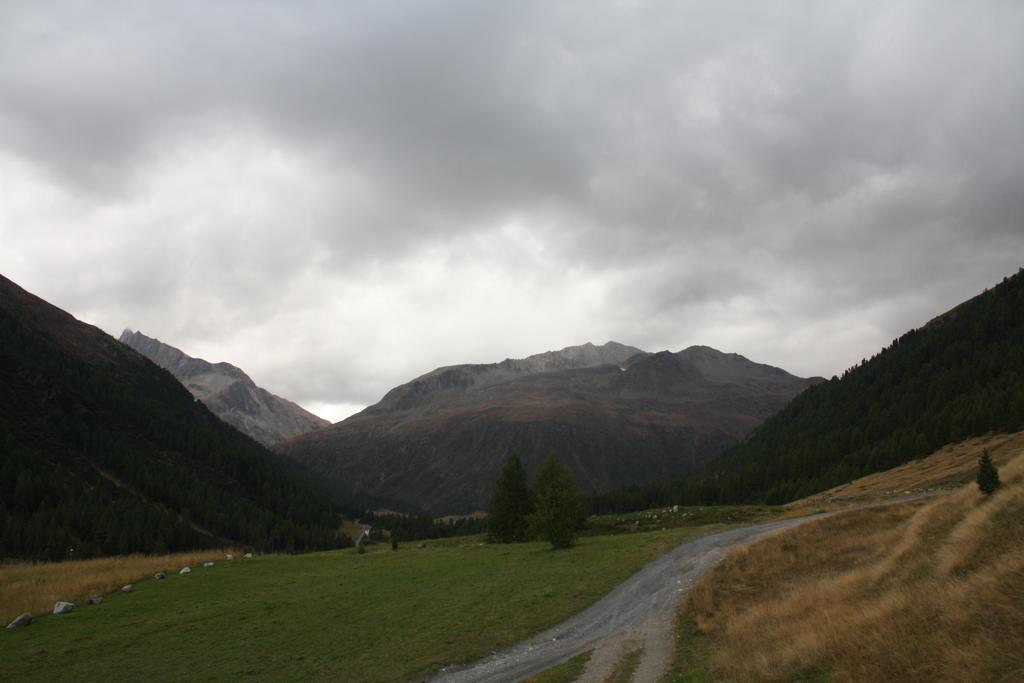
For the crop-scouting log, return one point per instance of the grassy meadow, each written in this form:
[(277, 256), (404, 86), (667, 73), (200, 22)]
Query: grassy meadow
[(681, 516), (931, 590), (381, 616)]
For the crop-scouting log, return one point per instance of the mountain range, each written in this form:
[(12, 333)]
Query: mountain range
[(612, 413), (103, 451), (229, 393)]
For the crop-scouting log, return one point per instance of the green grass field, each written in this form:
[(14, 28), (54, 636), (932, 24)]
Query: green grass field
[(382, 616), (685, 516)]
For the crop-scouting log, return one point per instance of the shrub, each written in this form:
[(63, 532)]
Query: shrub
[(988, 475)]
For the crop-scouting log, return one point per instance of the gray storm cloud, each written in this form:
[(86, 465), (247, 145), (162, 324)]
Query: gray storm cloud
[(337, 197)]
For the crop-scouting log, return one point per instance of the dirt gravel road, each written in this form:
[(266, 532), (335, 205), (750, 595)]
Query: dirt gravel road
[(638, 613)]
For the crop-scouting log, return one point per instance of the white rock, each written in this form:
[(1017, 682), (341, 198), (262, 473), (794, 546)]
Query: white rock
[(127, 588), (63, 607), (160, 575), (22, 620), (230, 556), (185, 570), (247, 556), (207, 564)]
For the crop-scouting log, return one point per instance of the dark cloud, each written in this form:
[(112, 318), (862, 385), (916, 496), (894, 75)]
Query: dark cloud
[(338, 196)]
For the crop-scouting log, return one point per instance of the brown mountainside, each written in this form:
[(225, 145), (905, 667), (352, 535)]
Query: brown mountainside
[(613, 414)]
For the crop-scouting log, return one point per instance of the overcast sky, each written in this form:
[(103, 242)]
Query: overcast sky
[(337, 197)]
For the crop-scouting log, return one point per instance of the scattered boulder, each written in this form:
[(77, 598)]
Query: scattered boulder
[(185, 570), (160, 575), (127, 588), (207, 564), (247, 556), (422, 545), (22, 620), (63, 607), (95, 599), (230, 556)]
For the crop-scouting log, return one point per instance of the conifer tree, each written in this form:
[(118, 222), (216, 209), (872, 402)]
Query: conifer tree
[(559, 509), (988, 475), (510, 505)]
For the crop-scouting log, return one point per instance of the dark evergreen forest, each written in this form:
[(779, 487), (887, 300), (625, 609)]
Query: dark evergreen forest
[(103, 452), (959, 376)]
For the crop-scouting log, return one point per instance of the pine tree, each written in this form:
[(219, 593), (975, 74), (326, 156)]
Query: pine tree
[(988, 475), (559, 509), (510, 505)]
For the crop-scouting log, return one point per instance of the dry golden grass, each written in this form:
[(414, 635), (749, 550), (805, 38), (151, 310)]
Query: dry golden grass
[(36, 587), (949, 467), (931, 590)]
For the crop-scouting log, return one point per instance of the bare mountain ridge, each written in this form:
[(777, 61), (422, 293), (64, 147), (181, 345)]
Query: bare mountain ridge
[(456, 382), (614, 414), (229, 393)]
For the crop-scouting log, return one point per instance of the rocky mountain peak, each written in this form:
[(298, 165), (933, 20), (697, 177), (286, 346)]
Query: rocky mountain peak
[(229, 392), (583, 356), (458, 383)]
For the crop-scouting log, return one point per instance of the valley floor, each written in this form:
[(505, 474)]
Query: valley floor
[(382, 616), (924, 590)]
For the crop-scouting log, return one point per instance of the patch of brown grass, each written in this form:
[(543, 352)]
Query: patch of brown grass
[(949, 467), (35, 588), (929, 590)]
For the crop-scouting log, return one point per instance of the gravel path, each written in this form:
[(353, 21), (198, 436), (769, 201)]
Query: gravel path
[(638, 613)]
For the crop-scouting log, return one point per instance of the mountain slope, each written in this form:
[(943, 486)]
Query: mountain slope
[(613, 414), (961, 375), (102, 452), (229, 393), (922, 591)]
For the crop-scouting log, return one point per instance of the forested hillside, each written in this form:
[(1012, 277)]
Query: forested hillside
[(102, 452), (959, 376)]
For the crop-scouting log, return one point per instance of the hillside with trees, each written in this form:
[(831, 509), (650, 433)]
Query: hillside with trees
[(960, 375), (103, 452)]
